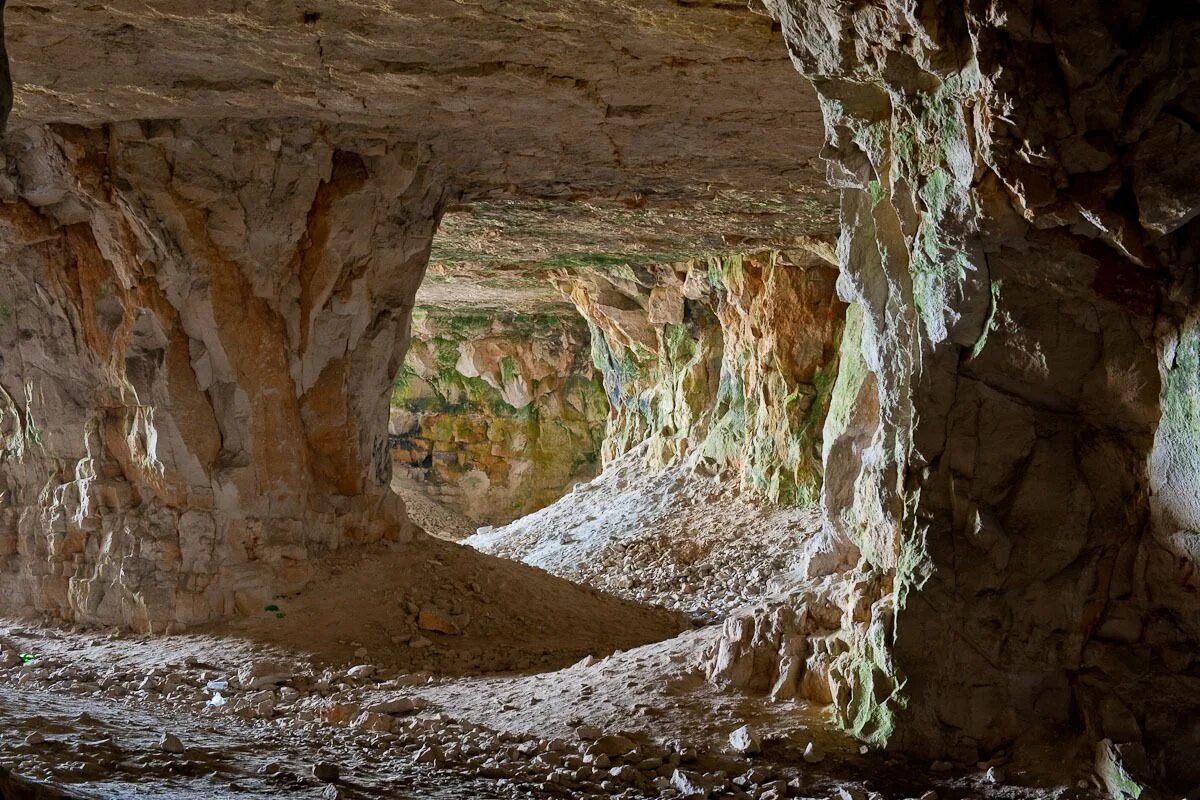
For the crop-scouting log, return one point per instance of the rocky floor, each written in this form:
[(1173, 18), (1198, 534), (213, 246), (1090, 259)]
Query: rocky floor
[(430, 515), (201, 716), (350, 689), (672, 537)]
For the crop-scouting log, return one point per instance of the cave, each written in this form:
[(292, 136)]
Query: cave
[(782, 399)]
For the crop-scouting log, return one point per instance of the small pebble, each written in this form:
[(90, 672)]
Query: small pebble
[(325, 771), (169, 743)]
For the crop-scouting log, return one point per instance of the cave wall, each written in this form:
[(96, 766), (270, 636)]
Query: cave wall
[(728, 361), (497, 414), (1015, 407), (199, 330)]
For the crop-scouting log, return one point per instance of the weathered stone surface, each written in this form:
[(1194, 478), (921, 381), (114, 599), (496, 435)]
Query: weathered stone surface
[(1010, 231), (199, 331), (497, 414), (529, 99), (729, 361)]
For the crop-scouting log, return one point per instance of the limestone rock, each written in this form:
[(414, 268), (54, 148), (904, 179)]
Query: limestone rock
[(745, 740)]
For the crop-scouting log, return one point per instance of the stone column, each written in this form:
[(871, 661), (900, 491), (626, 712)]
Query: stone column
[(199, 327), (1011, 220)]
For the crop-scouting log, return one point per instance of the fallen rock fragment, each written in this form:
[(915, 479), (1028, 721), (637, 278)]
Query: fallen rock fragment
[(690, 784), (745, 740), (326, 771), (399, 706), (170, 743), (437, 623), (611, 745), (262, 674)]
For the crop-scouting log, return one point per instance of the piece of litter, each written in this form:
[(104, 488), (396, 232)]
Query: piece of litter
[(27, 658), (216, 701), (217, 686)]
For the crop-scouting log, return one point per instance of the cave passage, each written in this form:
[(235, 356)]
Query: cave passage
[(681, 400)]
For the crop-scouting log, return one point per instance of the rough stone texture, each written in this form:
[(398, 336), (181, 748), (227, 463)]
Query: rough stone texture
[(497, 414), (1012, 216), (206, 314), (199, 331), (729, 361), (539, 98)]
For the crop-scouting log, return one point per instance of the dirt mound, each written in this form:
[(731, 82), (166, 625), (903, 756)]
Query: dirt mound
[(446, 608)]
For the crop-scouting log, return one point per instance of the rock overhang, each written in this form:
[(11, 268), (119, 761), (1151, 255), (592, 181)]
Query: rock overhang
[(649, 130)]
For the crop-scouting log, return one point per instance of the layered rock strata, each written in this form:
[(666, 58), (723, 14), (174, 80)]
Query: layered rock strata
[(199, 331), (1014, 420), (497, 414), (728, 361)]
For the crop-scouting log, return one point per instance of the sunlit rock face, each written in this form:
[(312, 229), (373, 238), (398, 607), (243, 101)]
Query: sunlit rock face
[(199, 331), (726, 361), (1020, 242), (497, 414)]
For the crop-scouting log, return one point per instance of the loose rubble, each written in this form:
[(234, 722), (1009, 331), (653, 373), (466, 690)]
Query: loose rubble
[(370, 722), (675, 537)]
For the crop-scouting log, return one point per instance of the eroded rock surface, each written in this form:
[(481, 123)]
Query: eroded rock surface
[(1021, 256), (200, 328), (497, 414), (726, 361)]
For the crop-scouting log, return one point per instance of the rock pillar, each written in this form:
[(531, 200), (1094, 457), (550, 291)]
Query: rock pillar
[(199, 328)]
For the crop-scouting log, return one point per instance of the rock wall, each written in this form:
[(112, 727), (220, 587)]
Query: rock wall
[(1017, 391), (497, 414), (729, 361), (199, 329)]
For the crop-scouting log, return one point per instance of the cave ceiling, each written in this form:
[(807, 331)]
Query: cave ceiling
[(574, 134)]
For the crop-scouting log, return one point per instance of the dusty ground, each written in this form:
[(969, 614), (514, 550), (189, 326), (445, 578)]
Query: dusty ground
[(436, 605), (672, 538), (102, 703), (551, 689)]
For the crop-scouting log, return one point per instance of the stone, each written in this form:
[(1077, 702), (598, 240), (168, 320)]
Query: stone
[(326, 771), (745, 740), (399, 705), (813, 754), (260, 674), (430, 754), (611, 745), (691, 784), (170, 743), (588, 733), (436, 622)]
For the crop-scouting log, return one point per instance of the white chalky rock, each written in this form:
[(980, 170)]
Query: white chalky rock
[(263, 673), (746, 741)]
